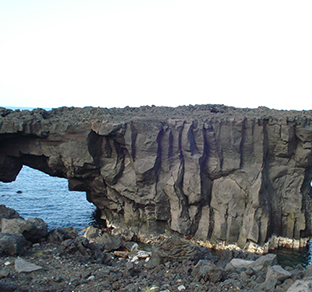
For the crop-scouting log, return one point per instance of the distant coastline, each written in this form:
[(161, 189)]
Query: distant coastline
[(22, 108)]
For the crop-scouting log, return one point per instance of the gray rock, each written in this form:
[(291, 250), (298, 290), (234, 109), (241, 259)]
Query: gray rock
[(278, 273), (308, 271), (126, 233), (238, 264), (4, 273), (61, 234), (131, 245), (129, 265), (207, 271), (12, 244), (174, 249), (22, 266), (298, 272), (304, 285), (268, 285), (226, 256), (8, 287), (131, 288), (264, 261), (39, 231), (7, 213), (109, 242), (92, 233), (33, 229), (81, 246)]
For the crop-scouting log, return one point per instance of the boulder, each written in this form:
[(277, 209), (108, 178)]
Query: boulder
[(268, 285), (278, 273), (126, 233), (207, 271), (109, 242), (264, 261), (61, 234), (33, 229), (12, 244), (38, 231), (130, 246), (308, 271), (91, 233), (81, 246), (226, 256), (175, 249), (255, 265), (298, 272), (238, 264), (7, 213), (304, 285)]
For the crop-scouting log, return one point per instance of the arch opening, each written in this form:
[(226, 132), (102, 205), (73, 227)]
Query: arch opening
[(36, 194)]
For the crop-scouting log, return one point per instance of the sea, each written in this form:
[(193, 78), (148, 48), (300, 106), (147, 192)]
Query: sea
[(36, 194)]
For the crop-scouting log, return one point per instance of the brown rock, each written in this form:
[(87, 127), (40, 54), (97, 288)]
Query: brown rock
[(120, 254)]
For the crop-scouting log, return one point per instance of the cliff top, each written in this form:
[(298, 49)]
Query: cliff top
[(160, 113)]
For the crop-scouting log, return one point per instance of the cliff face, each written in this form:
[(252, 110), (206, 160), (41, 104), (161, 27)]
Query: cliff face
[(209, 172)]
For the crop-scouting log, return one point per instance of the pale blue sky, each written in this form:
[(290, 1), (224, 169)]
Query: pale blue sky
[(114, 53)]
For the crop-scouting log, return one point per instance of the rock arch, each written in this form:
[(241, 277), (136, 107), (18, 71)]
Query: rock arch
[(209, 172)]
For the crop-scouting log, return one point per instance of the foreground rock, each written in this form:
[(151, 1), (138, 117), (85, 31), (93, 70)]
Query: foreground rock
[(16, 232), (22, 266), (7, 213), (301, 286), (175, 249), (33, 229), (12, 244), (52, 266), (66, 261), (210, 172)]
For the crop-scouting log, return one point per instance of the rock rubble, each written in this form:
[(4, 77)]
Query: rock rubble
[(66, 261)]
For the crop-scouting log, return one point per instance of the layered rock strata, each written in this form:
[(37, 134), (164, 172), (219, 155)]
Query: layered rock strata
[(208, 172)]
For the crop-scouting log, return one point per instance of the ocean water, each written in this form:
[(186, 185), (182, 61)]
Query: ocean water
[(36, 194)]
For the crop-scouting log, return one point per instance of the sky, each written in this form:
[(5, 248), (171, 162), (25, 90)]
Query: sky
[(117, 53)]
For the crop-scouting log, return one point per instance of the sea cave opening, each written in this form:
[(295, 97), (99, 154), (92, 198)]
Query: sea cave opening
[(36, 194)]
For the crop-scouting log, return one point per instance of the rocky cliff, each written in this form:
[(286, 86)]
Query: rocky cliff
[(209, 172)]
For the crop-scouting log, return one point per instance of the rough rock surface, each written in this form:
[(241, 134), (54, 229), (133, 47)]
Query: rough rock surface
[(77, 264), (12, 244), (7, 213), (33, 229), (22, 266), (209, 172)]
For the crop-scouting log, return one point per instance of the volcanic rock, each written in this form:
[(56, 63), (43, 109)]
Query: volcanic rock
[(210, 172), (7, 213), (175, 249), (109, 242), (12, 244), (61, 234), (33, 229), (23, 266)]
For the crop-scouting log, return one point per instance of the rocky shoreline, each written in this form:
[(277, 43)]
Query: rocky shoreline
[(33, 259)]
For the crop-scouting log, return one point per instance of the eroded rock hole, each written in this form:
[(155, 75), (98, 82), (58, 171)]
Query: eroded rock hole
[(36, 194)]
